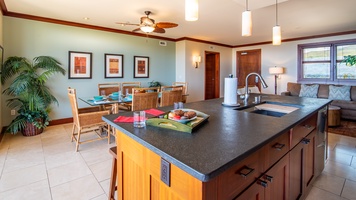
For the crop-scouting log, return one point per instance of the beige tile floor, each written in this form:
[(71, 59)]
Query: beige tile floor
[(46, 167)]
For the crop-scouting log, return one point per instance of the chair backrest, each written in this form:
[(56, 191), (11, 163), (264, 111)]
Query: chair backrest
[(184, 84), (129, 86), (108, 88), (170, 94), (144, 100), (72, 95)]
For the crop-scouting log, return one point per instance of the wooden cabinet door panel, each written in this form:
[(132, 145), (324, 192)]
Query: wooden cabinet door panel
[(278, 180), (254, 192), (296, 171), (310, 148)]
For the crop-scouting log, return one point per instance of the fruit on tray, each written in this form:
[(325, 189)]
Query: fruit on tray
[(180, 114)]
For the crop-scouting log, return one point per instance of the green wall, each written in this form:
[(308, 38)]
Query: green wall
[(29, 39)]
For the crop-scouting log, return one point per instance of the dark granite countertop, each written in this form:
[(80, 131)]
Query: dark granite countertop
[(226, 138)]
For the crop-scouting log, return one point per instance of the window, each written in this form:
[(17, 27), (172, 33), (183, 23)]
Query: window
[(322, 62)]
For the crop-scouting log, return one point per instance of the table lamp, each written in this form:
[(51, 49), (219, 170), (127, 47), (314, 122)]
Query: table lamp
[(276, 71)]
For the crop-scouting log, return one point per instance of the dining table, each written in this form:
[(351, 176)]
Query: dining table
[(107, 100)]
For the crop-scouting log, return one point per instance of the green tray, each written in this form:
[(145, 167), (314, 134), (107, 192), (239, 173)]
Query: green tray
[(162, 121)]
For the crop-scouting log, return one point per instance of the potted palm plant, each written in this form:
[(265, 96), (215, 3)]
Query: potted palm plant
[(28, 93)]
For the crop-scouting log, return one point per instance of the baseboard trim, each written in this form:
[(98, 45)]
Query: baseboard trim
[(61, 121), (2, 132)]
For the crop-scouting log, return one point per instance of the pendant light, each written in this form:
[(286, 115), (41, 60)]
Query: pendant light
[(246, 22), (191, 10), (276, 30)]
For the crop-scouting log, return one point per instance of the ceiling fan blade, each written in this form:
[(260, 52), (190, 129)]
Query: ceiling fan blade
[(166, 25), (159, 30), (137, 29), (124, 24)]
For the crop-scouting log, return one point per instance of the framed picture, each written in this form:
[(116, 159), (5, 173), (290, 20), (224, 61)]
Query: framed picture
[(114, 66), (80, 65), (141, 67)]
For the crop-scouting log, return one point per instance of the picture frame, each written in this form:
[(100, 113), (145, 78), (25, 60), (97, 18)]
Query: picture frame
[(141, 66), (114, 65), (80, 65)]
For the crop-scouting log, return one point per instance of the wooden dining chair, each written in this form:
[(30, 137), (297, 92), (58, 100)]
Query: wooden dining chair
[(170, 94), (129, 86), (185, 90), (88, 122), (144, 100), (107, 89)]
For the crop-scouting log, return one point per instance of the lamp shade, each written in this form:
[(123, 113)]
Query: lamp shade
[(246, 23), (276, 35), (276, 70), (191, 10)]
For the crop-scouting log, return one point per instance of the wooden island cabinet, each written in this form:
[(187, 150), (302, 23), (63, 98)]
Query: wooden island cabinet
[(281, 169), (235, 154)]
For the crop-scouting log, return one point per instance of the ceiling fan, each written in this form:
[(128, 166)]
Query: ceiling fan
[(148, 25)]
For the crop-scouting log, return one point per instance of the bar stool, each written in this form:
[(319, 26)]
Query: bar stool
[(113, 186)]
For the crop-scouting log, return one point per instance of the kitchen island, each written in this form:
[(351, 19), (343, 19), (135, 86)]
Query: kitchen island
[(224, 158)]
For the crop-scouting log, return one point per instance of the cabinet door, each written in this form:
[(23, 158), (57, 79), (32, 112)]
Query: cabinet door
[(296, 171), (277, 179), (309, 171), (254, 192)]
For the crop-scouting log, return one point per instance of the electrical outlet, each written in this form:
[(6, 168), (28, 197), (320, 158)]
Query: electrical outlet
[(13, 112)]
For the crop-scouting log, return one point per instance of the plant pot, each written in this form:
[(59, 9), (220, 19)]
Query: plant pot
[(31, 130)]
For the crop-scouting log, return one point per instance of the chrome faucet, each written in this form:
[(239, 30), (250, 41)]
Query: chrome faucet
[(247, 94)]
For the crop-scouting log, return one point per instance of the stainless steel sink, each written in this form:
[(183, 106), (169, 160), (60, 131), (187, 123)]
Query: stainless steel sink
[(256, 109), (269, 113)]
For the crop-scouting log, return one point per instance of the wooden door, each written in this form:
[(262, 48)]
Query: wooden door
[(247, 62), (212, 75)]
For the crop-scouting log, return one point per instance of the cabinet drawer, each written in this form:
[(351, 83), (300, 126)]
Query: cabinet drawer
[(237, 178), (302, 130), (277, 149)]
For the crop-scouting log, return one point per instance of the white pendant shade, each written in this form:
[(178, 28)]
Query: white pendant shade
[(277, 35), (191, 10), (147, 29), (246, 23)]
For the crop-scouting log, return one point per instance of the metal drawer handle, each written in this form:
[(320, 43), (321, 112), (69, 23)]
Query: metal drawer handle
[(263, 183), (279, 146), (305, 141), (269, 178), (307, 126), (246, 171)]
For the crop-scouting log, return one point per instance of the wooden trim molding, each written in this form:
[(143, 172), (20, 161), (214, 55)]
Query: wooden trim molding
[(2, 132), (61, 121), (62, 22)]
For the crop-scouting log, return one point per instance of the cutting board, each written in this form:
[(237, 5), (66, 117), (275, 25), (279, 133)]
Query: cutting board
[(276, 108)]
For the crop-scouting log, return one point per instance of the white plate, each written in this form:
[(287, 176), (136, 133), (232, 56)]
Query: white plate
[(184, 121)]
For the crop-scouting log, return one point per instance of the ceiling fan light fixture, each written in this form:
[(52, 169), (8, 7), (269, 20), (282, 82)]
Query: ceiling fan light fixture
[(147, 29), (191, 10)]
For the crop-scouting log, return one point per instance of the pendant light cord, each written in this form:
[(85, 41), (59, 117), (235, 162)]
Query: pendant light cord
[(246, 5), (276, 13)]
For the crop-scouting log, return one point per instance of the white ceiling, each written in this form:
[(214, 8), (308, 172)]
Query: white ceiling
[(219, 20)]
